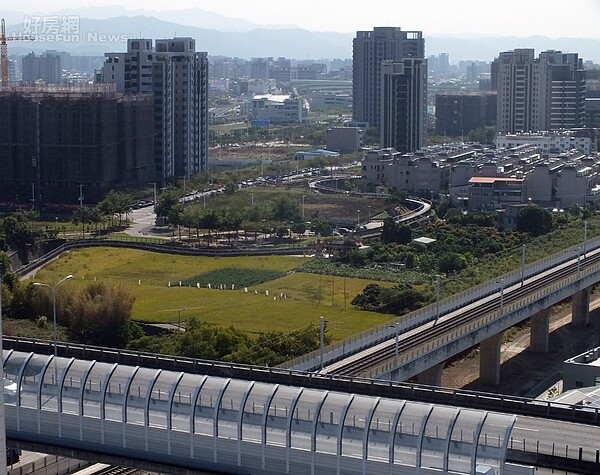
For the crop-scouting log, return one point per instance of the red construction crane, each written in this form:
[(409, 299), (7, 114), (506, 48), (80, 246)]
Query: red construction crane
[(4, 51)]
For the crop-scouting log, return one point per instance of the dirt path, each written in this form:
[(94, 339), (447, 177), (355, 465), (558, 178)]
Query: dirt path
[(521, 369)]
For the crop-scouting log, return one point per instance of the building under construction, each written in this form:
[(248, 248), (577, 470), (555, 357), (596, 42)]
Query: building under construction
[(58, 143)]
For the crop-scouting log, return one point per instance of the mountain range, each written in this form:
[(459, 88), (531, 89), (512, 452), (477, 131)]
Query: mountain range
[(224, 36)]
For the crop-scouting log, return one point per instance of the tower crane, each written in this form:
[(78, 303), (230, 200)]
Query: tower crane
[(4, 51)]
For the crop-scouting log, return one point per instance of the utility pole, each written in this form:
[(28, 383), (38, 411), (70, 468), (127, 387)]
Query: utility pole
[(154, 187)]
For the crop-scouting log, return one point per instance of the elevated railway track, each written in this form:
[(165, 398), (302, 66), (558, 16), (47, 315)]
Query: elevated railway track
[(444, 327)]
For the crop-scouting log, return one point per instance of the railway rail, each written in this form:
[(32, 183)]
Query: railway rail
[(432, 331)]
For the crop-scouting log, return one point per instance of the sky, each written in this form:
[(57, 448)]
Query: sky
[(552, 18)]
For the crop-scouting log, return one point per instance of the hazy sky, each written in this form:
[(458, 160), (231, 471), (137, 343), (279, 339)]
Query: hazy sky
[(553, 18)]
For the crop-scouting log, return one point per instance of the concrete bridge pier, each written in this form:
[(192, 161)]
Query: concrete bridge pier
[(580, 312), (489, 359), (539, 335), (431, 376)]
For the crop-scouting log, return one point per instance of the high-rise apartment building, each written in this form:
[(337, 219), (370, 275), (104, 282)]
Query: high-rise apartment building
[(565, 85), (403, 104), (369, 50), (177, 76), (535, 94), (259, 68), (46, 67)]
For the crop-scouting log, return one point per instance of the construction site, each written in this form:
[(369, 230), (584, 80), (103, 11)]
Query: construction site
[(70, 144), (60, 144)]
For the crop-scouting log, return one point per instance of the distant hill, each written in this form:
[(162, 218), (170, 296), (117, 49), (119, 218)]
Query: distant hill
[(100, 35), (487, 48)]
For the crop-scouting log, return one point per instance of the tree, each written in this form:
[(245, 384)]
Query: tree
[(396, 195), (286, 209), (166, 200), (116, 203), (231, 220), (396, 300), (394, 232), (450, 262), (5, 263), (176, 216), (18, 230), (482, 135), (99, 313), (323, 228), (211, 222), (192, 218), (83, 215), (535, 220), (369, 299)]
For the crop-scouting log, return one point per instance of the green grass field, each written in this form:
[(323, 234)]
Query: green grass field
[(293, 301)]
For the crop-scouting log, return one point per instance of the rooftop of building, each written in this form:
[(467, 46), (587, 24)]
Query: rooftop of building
[(272, 97), (589, 357), (58, 90), (549, 133), (494, 179)]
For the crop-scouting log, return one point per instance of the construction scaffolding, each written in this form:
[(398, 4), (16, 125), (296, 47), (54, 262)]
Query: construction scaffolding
[(55, 139)]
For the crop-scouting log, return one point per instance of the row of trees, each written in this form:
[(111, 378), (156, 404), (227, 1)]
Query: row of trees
[(19, 230), (116, 205), (279, 215), (203, 340)]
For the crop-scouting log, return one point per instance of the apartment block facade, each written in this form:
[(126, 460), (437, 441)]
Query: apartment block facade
[(535, 94), (369, 50), (45, 67), (457, 114), (403, 124), (177, 77)]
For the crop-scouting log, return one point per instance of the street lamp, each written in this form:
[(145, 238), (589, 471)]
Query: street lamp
[(357, 218), (53, 289), (369, 208)]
